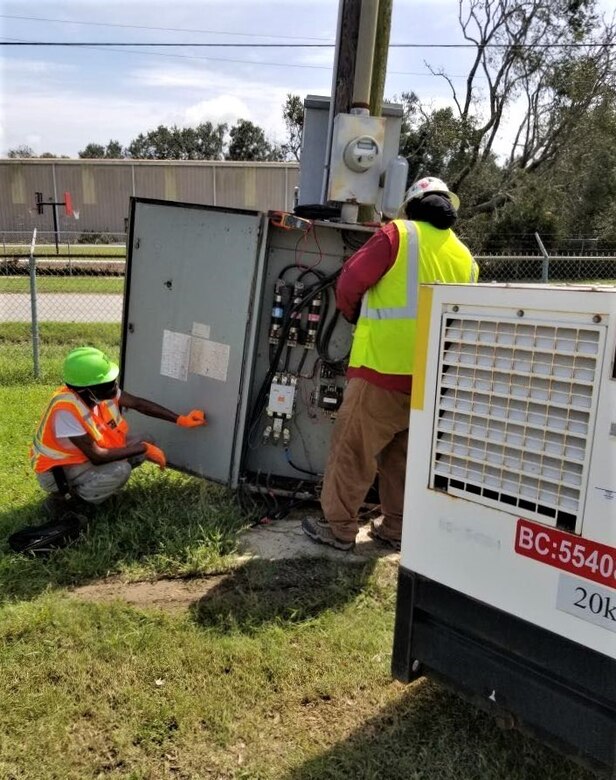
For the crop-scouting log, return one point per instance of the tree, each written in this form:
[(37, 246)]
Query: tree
[(293, 115), (204, 142), (555, 57), (93, 151), (248, 142), (112, 151), (21, 152)]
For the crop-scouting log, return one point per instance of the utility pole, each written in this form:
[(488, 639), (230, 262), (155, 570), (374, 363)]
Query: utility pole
[(349, 13), (347, 56), (377, 84), (381, 49), (359, 84)]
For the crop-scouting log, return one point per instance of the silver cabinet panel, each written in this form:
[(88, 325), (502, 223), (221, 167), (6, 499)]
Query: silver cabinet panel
[(190, 290)]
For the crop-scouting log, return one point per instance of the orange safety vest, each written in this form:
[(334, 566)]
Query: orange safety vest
[(105, 426)]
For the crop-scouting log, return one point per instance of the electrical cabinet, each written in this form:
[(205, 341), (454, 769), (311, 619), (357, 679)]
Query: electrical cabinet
[(507, 586), (209, 322)]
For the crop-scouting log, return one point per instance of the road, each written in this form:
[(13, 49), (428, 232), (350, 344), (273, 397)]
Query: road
[(62, 307)]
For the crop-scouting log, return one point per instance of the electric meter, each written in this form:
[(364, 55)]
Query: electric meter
[(361, 153)]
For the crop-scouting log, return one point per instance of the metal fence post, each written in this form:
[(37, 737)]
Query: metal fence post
[(545, 266), (33, 306)]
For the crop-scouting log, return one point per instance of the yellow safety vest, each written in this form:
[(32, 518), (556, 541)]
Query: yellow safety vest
[(384, 337)]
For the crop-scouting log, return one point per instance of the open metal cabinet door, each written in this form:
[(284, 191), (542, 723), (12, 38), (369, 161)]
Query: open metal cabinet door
[(188, 328)]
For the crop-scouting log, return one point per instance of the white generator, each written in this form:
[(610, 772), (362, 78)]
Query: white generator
[(507, 587)]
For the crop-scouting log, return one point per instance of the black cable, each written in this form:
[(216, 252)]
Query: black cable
[(289, 506), (196, 44), (350, 239), (524, 46), (299, 468), (302, 361), (323, 340), (288, 320), (160, 29), (314, 271), (287, 358)]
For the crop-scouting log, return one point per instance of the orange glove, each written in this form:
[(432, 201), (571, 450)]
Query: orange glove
[(155, 454), (191, 420)]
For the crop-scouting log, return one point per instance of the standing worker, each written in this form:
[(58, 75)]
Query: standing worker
[(82, 448), (378, 290)]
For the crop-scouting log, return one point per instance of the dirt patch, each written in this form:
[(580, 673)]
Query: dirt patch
[(170, 595), (282, 544), (284, 540)]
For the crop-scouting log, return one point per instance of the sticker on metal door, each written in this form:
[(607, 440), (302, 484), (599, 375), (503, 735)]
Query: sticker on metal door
[(574, 554), (587, 601)]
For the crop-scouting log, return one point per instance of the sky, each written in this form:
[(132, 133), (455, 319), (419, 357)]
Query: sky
[(60, 99)]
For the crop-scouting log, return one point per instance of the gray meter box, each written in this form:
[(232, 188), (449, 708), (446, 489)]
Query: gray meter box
[(197, 333), (314, 167)]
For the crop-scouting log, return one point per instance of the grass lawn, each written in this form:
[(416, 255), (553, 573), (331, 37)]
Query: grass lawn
[(75, 250), (280, 671), (63, 284)]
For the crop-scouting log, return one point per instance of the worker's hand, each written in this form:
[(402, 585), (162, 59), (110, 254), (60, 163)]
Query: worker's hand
[(155, 454), (192, 420)]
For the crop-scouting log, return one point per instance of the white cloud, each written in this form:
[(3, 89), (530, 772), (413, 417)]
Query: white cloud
[(224, 108), (19, 67), (223, 97), (73, 120)]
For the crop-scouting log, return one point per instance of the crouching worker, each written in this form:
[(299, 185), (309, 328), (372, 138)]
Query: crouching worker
[(82, 450)]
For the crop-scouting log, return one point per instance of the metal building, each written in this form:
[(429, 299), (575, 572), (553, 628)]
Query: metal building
[(101, 189)]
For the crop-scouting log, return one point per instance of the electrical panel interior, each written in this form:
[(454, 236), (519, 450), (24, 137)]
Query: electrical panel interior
[(301, 354)]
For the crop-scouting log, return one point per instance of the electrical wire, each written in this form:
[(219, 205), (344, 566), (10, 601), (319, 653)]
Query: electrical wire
[(351, 241), (287, 358), (169, 45), (197, 44), (302, 361), (161, 29), (256, 63), (288, 319), (299, 468)]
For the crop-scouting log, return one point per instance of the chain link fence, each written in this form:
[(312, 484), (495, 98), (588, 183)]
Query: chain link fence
[(55, 295)]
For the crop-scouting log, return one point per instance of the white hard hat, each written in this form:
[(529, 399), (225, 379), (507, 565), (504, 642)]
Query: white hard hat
[(427, 185)]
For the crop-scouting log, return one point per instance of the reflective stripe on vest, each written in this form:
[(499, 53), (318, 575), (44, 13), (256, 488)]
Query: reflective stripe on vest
[(410, 240), (46, 451), (116, 426), (384, 337)]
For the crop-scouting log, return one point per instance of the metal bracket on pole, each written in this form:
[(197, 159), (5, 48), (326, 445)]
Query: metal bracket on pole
[(33, 307), (545, 266)]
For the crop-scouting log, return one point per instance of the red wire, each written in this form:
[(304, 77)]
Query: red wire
[(312, 229)]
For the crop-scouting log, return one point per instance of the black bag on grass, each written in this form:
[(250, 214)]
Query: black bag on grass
[(43, 539)]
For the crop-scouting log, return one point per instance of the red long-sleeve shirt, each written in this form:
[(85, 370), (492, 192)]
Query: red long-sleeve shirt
[(362, 271)]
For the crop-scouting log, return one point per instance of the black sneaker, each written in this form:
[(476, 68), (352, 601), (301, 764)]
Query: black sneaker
[(319, 531)]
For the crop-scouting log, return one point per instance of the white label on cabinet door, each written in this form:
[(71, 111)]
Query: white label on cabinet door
[(175, 355)]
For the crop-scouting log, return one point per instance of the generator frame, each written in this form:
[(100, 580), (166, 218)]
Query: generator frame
[(512, 455)]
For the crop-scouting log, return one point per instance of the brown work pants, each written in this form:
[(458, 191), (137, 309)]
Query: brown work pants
[(370, 436)]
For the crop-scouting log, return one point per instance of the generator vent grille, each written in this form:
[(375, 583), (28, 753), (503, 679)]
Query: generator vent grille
[(515, 409)]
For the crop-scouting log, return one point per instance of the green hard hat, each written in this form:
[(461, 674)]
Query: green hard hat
[(86, 366)]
